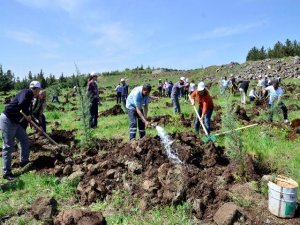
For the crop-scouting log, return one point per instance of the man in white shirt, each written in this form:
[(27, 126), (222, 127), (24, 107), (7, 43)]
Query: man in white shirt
[(275, 94)]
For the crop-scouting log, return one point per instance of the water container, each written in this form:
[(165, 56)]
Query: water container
[(283, 197)]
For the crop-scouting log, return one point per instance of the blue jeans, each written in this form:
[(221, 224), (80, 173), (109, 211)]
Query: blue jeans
[(10, 131), (124, 98), (176, 105), (134, 120), (206, 120)]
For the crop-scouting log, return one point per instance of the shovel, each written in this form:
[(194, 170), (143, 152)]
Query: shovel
[(240, 128), (41, 130), (208, 137)]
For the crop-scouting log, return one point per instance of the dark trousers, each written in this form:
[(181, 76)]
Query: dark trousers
[(94, 113), (135, 120), (43, 122), (124, 98), (119, 97), (55, 98), (206, 121), (186, 95), (282, 107)]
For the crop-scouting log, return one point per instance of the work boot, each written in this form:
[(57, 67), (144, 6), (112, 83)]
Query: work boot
[(9, 177)]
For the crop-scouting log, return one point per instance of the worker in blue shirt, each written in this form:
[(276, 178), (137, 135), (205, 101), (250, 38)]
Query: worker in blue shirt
[(136, 101)]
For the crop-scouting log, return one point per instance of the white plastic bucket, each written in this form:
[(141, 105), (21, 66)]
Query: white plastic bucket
[(283, 197)]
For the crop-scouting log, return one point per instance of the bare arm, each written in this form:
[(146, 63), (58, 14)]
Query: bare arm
[(139, 112)]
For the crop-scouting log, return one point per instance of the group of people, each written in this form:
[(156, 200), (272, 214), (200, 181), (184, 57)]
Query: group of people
[(266, 88), (26, 107), (138, 100), (122, 92), (32, 103)]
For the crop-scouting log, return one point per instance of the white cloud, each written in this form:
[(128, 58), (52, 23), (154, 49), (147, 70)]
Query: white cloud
[(112, 37), (225, 31), (31, 38)]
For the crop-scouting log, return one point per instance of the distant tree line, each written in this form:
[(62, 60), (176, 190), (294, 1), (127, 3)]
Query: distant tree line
[(279, 50), (8, 81)]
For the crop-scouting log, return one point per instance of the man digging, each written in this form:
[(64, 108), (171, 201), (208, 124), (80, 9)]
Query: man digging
[(138, 98)]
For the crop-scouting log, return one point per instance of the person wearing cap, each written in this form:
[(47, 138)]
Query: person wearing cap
[(275, 94), (93, 94), (118, 89), (176, 89), (10, 124), (137, 109), (206, 106), (124, 93)]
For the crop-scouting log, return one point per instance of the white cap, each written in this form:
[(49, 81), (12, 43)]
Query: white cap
[(201, 86), (122, 79), (35, 84), (182, 78), (231, 75), (93, 74), (260, 76)]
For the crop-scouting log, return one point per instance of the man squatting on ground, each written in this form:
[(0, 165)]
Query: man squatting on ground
[(138, 98), (10, 124)]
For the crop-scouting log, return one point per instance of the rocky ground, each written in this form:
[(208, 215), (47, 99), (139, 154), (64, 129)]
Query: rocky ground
[(207, 179)]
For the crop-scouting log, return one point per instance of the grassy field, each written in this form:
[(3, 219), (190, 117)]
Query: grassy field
[(268, 144)]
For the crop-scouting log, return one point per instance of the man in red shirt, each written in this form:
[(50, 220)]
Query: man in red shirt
[(206, 106)]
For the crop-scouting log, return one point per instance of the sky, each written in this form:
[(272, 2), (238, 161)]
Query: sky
[(107, 35)]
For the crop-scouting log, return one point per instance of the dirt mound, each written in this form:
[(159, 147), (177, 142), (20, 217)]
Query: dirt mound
[(80, 217), (187, 122), (116, 110), (63, 136), (293, 107), (217, 121), (155, 94), (160, 181), (7, 100), (169, 104), (162, 120), (241, 113), (143, 169)]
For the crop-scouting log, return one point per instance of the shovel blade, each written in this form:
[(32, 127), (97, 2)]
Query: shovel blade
[(209, 138)]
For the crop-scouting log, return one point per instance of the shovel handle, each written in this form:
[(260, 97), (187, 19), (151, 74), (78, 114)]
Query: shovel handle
[(240, 128), (41, 130), (201, 122)]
